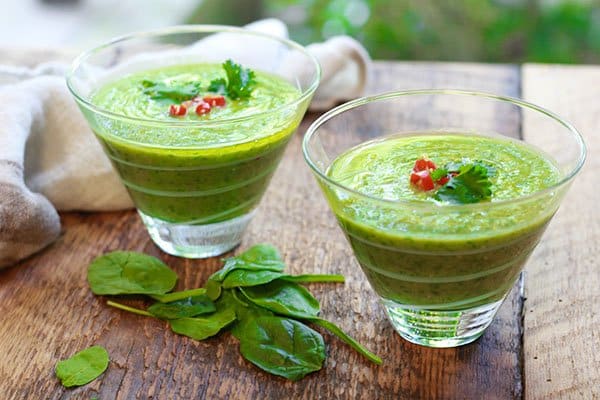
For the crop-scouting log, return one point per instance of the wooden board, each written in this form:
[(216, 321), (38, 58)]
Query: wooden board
[(562, 312), (47, 311)]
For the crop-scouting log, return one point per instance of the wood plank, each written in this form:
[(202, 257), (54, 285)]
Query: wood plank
[(561, 317), (47, 311)]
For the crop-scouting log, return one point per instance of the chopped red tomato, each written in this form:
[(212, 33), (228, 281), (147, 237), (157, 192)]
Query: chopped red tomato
[(423, 164), (215, 100), (203, 108), (422, 180), (443, 180), (177, 110)]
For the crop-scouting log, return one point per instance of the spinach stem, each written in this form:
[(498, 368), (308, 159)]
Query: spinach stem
[(184, 294), (309, 278), (130, 309), (346, 338)]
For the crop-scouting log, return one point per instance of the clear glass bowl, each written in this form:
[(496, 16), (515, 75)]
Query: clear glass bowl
[(196, 201), (440, 280)]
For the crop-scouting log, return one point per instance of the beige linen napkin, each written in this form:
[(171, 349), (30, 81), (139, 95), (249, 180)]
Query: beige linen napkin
[(50, 160)]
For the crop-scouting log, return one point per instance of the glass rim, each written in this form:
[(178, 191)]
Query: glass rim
[(314, 127), (180, 29)]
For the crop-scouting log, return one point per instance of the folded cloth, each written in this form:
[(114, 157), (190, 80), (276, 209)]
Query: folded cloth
[(50, 160)]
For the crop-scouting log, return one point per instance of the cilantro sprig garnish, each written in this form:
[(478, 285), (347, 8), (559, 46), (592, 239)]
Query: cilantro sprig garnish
[(461, 182), (176, 92), (471, 184), (239, 83)]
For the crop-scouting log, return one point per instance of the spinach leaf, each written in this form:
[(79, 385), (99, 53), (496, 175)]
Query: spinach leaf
[(83, 367), (311, 278), (200, 328), (261, 257), (336, 330), (295, 301), (286, 298), (213, 289), (242, 277), (283, 347), (127, 272), (245, 311), (190, 307), (181, 295)]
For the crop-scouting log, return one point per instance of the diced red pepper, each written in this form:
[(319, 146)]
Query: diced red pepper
[(422, 180), (203, 108), (177, 110), (423, 164), (215, 100), (443, 180)]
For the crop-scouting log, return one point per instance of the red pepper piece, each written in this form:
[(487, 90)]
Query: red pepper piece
[(177, 110), (443, 180), (215, 100), (203, 108), (422, 180), (423, 164)]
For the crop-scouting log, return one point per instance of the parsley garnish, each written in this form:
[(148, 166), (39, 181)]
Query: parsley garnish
[(439, 173), (173, 93), (471, 184), (239, 83)]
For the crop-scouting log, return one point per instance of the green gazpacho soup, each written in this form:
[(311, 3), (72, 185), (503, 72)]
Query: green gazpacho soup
[(198, 167), (419, 250)]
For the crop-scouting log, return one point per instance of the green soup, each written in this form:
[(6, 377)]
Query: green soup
[(417, 251), (195, 169)]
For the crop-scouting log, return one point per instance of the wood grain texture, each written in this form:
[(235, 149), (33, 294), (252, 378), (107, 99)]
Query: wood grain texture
[(562, 315), (47, 311)]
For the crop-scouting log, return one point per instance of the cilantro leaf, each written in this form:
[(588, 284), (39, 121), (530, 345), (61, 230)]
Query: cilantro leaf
[(439, 173), (491, 171), (455, 166), (218, 86), (177, 92), (471, 185), (239, 83)]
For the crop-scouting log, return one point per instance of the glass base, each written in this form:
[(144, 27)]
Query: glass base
[(196, 240), (440, 328)]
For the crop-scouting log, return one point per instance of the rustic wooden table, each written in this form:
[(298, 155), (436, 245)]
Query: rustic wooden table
[(544, 343)]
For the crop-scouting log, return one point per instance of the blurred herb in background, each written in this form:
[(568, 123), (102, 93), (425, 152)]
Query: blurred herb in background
[(554, 31)]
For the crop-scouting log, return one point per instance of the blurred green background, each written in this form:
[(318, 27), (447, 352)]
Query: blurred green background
[(551, 31)]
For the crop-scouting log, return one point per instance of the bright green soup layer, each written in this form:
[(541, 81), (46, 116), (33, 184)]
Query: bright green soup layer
[(195, 169), (418, 251)]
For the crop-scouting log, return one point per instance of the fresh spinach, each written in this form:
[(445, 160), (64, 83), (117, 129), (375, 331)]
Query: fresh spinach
[(295, 301), (282, 346), (315, 278), (83, 367), (190, 307), (242, 277), (181, 295), (200, 328), (336, 330), (285, 298), (260, 257), (127, 272), (265, 309)]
